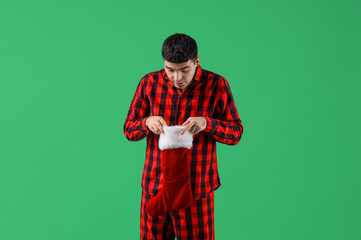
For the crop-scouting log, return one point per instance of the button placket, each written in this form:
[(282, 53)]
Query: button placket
[(178, 106)]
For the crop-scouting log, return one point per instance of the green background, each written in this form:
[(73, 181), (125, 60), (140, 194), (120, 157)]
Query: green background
[(68, 72)]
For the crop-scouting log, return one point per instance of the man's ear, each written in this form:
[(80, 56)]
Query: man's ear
[(197, 60)]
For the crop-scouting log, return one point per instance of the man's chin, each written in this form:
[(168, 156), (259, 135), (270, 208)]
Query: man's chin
[(181, 88)]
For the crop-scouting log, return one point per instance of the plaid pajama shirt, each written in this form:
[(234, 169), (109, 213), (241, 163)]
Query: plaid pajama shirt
[(207, 95)]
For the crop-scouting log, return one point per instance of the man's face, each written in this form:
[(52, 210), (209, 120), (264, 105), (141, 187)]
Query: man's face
[(181, 74)]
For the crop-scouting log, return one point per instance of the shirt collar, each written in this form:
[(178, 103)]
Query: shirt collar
[(197, 74)]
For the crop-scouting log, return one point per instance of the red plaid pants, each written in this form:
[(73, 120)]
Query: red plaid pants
[(194, 222)]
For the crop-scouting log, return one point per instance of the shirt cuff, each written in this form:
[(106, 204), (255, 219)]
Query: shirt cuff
[(145, 128), (208, 128)]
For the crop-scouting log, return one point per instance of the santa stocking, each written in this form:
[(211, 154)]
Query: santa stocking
[(176, 156)]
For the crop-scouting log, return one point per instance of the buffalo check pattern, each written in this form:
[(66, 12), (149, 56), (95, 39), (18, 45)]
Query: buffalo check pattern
[(207, 95)]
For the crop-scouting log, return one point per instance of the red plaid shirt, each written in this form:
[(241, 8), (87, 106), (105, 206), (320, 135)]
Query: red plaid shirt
[(207, 95)]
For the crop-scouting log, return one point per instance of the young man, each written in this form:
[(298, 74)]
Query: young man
[(184, 94)]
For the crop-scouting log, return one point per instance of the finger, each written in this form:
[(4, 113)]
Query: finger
[(158, 130), (163, 122), (159, 127), (186, 128), (193, 128), (197, 131), (184, 125), (186, 122), (152, 129)]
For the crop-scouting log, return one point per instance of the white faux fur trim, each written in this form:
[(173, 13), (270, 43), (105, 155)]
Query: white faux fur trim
[(172, 139)]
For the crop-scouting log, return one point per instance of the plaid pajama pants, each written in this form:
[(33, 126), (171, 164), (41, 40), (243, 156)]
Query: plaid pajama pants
[(195, 222)]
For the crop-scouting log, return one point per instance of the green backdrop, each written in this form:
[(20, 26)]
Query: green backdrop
[(68, 72)]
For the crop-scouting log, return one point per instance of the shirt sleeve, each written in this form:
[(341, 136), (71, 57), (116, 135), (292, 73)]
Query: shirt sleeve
[(227, 128), (134, 126)]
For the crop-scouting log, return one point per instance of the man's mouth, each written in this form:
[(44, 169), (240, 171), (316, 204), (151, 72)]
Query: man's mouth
[(179, 83)]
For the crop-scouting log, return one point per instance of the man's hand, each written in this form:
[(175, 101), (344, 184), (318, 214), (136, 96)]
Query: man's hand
[(155, 124), (194, 125)]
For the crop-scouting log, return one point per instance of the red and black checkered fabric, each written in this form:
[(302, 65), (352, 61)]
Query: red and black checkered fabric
[(208, 95)]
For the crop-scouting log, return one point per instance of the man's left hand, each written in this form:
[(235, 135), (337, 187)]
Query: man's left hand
[(194, 125)]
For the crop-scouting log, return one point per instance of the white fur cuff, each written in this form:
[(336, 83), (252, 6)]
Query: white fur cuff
[(172, 139)]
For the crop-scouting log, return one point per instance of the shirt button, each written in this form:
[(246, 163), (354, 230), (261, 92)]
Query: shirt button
[(181, 96), (179, 113)]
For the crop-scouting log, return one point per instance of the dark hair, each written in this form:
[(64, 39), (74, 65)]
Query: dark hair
[(179, 48)]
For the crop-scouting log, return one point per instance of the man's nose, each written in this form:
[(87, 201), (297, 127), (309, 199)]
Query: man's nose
[(177, 76)]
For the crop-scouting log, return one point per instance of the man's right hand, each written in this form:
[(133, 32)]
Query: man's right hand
[(155, 124)]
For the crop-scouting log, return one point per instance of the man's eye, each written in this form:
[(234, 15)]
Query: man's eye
[(185, 71)]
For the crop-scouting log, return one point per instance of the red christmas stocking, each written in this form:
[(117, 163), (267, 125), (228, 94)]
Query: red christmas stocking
[(176, 156)]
